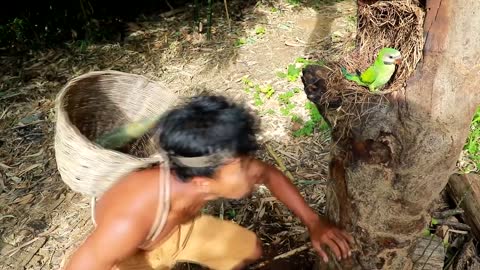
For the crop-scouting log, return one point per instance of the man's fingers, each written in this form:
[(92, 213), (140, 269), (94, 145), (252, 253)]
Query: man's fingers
[(342, 244), (334, 247), (321, 252), (348, 237)]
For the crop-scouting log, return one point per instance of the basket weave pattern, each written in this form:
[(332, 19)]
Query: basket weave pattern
[(92, 105)]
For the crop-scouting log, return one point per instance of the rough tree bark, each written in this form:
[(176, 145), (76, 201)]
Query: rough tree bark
[(387, 173)]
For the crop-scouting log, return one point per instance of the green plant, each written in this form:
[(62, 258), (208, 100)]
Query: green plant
[(285, 110), (294, 70), (231, 213), (284, 99), (14, 31), (259, 92), (292, 74), (248, 83), (294, 2), (472, 147), (244, 41), (309, 126), (297, 119), (260, 30), (240, 42)]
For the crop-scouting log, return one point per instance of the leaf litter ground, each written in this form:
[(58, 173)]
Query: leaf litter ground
[(255, 62)]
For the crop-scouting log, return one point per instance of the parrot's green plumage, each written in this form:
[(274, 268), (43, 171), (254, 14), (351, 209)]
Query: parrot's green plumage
[(121, 136), (378, 74)]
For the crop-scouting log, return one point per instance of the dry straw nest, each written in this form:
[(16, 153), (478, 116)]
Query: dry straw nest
[(397, 24)]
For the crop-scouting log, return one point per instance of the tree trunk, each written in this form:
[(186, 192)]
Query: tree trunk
[(390, 168)]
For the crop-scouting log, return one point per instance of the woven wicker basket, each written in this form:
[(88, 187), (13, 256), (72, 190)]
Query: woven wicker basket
[(92, 105)]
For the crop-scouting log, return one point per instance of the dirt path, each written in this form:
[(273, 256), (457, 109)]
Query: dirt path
[(42, 220)]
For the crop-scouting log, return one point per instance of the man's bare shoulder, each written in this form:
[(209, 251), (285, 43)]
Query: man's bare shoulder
[(133, 196)]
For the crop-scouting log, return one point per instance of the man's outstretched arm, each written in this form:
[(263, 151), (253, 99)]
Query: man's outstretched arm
[(322, 232)]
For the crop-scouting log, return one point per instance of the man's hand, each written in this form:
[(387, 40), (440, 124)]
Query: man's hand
[(324, 233), (321, 231)]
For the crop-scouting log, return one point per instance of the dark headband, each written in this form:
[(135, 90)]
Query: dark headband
[(214, 159)]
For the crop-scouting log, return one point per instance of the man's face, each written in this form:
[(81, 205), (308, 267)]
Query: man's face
[(231, 180)]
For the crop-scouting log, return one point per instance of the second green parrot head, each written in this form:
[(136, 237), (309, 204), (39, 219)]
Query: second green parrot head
[(389, 56)]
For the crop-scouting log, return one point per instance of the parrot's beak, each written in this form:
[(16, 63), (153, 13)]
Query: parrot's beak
[(398, 61)]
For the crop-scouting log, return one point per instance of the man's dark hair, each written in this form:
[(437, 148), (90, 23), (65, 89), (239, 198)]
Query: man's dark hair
[(206, 125)]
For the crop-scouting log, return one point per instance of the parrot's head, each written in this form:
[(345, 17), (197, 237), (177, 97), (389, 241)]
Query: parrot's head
[(390, 56)]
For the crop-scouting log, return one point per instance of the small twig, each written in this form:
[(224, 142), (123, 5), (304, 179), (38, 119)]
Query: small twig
[(448, 213), (5, 166), (381, 93), (456, 225), (209, 20), (452, 259), (292, 44), (282, 256), (169, 14), (195, 11), (49, 261), (457, 231), (279, 162), (7, 216), (169, 5), (228, 16), (15, 250), (40, 236), (221, 211)]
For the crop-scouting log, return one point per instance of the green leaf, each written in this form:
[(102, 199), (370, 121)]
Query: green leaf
[(284, 98), (287, 109), (293, 73), (281, 74), (426, 232), (240, 42), (306, 130), (260, 30), (297, 119)]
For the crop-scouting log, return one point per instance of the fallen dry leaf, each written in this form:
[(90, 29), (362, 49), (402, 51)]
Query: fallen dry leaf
[(24, 200)]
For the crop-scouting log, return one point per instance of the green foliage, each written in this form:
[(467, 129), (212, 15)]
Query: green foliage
[(292, 74), (472, 147), (309, 126), (297, 119), (259, 92), (286, 106), (260, 30), (254, 36), (15, 31), (294, 2), (285, 110), (230, 213), (248, 83), (294, 70)]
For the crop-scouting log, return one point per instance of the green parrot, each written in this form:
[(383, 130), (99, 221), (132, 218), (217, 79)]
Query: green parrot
[(378, 74), (121, 136)]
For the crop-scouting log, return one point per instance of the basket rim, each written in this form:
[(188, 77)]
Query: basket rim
[(60, 109)]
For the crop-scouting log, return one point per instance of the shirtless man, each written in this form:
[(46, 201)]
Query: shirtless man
[(152, 218)]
